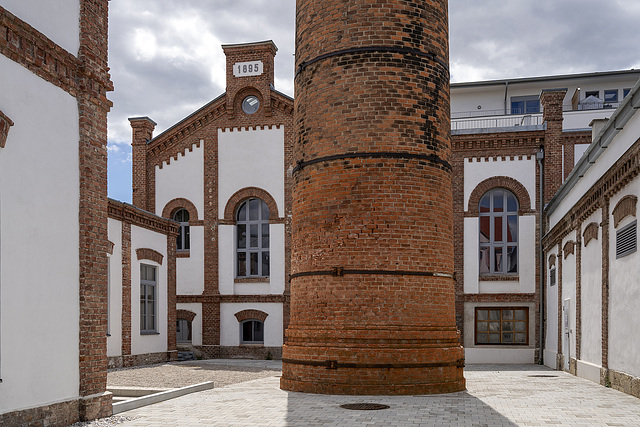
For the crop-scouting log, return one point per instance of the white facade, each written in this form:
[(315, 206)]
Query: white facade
[(230, 332), (171, 178), (39, 232)]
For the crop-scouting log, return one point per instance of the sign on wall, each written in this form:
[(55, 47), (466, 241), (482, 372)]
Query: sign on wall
[(249, 68)]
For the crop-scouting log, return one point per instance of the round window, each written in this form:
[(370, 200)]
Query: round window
[(250, 104)]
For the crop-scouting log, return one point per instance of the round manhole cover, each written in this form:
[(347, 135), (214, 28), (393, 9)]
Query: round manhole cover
[(364, 406), (543, 376)]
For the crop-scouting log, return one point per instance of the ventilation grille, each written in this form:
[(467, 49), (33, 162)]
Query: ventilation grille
[(627, 240), (552, 277)]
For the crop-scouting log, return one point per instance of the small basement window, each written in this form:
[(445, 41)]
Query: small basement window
[(627, 240)]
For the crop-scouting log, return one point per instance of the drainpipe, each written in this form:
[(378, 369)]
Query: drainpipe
[(506, 91), (540, 157)]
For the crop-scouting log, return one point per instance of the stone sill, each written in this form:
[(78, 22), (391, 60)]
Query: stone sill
[(500, 278), (251, 280)]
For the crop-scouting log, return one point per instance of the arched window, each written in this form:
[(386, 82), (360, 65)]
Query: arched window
[(182, 241), (498, 211), (252, 239), (251, 332)]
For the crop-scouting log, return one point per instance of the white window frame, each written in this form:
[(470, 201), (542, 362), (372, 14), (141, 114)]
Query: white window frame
[(145, 286), (491, 244), (244, 247), (183, 240), (253, 322)]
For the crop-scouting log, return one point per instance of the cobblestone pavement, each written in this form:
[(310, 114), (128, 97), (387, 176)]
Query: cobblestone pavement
[(497, 395)]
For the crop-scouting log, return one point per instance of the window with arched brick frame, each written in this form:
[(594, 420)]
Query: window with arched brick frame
[(498, 235)]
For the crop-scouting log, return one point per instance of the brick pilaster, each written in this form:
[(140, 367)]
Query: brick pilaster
[(142, 128), (604, 225), (552, 101), (126, 289)]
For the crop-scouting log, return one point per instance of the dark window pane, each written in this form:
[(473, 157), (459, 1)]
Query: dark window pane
[(187, 237), (485, 229), (265, 263), (143, 325), (484, 260), (507, 314), (494, 326), (512, 204), (483, 338), (483, 314), (507, 337), (242, 212), (494, 315), (179, 239), (253, 241), (521, 314), (242, 236), (512, 228), (258, 331), (254, 264), (532, 106), (497, 259), (264, 210), (494, 338), (521, 338), (485, 203), (517, 107), (512, 259), (497, 229), (498, 200), (265, 236), (254, 205), (507, 326), (483, 326), (247, 331), (242, 263), (521, 326)]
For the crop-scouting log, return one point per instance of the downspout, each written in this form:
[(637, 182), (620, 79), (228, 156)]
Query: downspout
[(540, 157), (506, 91)]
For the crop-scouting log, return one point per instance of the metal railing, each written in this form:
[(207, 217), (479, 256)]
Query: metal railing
[(497, 122)]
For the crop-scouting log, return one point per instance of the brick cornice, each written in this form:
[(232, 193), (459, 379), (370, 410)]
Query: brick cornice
[(5, 124), (28, 47), (150, 254), (576, 137), (132, 215), (216, 298), (491, 142)]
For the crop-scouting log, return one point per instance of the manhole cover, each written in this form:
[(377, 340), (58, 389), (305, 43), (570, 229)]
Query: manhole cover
[(364, 406), (543, 376)]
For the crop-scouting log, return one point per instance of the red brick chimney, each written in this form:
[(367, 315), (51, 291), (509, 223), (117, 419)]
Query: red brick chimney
[(142, 133), (372, 290)]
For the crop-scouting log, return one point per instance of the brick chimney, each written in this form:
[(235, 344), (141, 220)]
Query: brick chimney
[(142, 133), (552, 101)]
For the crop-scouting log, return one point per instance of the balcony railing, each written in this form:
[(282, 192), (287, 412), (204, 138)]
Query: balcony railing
[(497, 122)]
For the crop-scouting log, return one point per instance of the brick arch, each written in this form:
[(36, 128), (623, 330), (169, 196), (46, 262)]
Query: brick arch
[(518, 190), (243, 93), (251, 314), (185, 314), (569, 248), (552, 260), (150, 254), (247, 193), (625, 207), (180, 203), (590, 233)]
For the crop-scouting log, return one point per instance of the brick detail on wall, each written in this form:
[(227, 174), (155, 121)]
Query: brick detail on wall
[(186, 315), (150, 254), (180, 203), (251, 314), (552, 101), (5, 124), (605, 283), (240, 196), (126, 288), (569, 248), (510, 184), (171, 297), (142, 132), (625, 207), (131, 214), (552, 260), (559, 273), (578, 248), (590, 233)]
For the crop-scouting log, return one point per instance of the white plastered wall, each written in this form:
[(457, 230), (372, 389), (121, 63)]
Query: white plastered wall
[(569, 292), (474, 354), (227, 266), (250, 157), (624, 297), (551, 309), (143, 344), (39, 254), (57, 19), (182, 178), (230, 327), (190, 271), (114, 341), (196, 325), (591, 296), (578, 151)]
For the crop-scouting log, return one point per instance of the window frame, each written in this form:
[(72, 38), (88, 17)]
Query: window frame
[(145, 286), (183, 239), (247, 250), (531, 104), (254, 322), (501, 332), (492, 244)]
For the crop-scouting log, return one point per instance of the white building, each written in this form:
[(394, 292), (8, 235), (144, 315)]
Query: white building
[(53, 218), (223, 173), (592, 269)]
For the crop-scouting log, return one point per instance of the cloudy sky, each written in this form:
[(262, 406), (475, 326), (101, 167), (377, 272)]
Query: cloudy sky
[(166, 60)]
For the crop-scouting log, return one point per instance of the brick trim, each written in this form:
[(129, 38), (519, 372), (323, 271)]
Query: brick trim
[(605, 284), (150, 254), (127, 213), (590, 232), (126, 289), (569, 248), (185, 314), (241, 195), (518, 190), (180, 203), (552, 261), (217, 299), (519, 298), (251, 314), (5, 124), (625, 207)]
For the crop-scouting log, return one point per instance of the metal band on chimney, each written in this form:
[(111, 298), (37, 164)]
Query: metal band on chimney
[(432, 158), (339, 271), (381, 49)]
